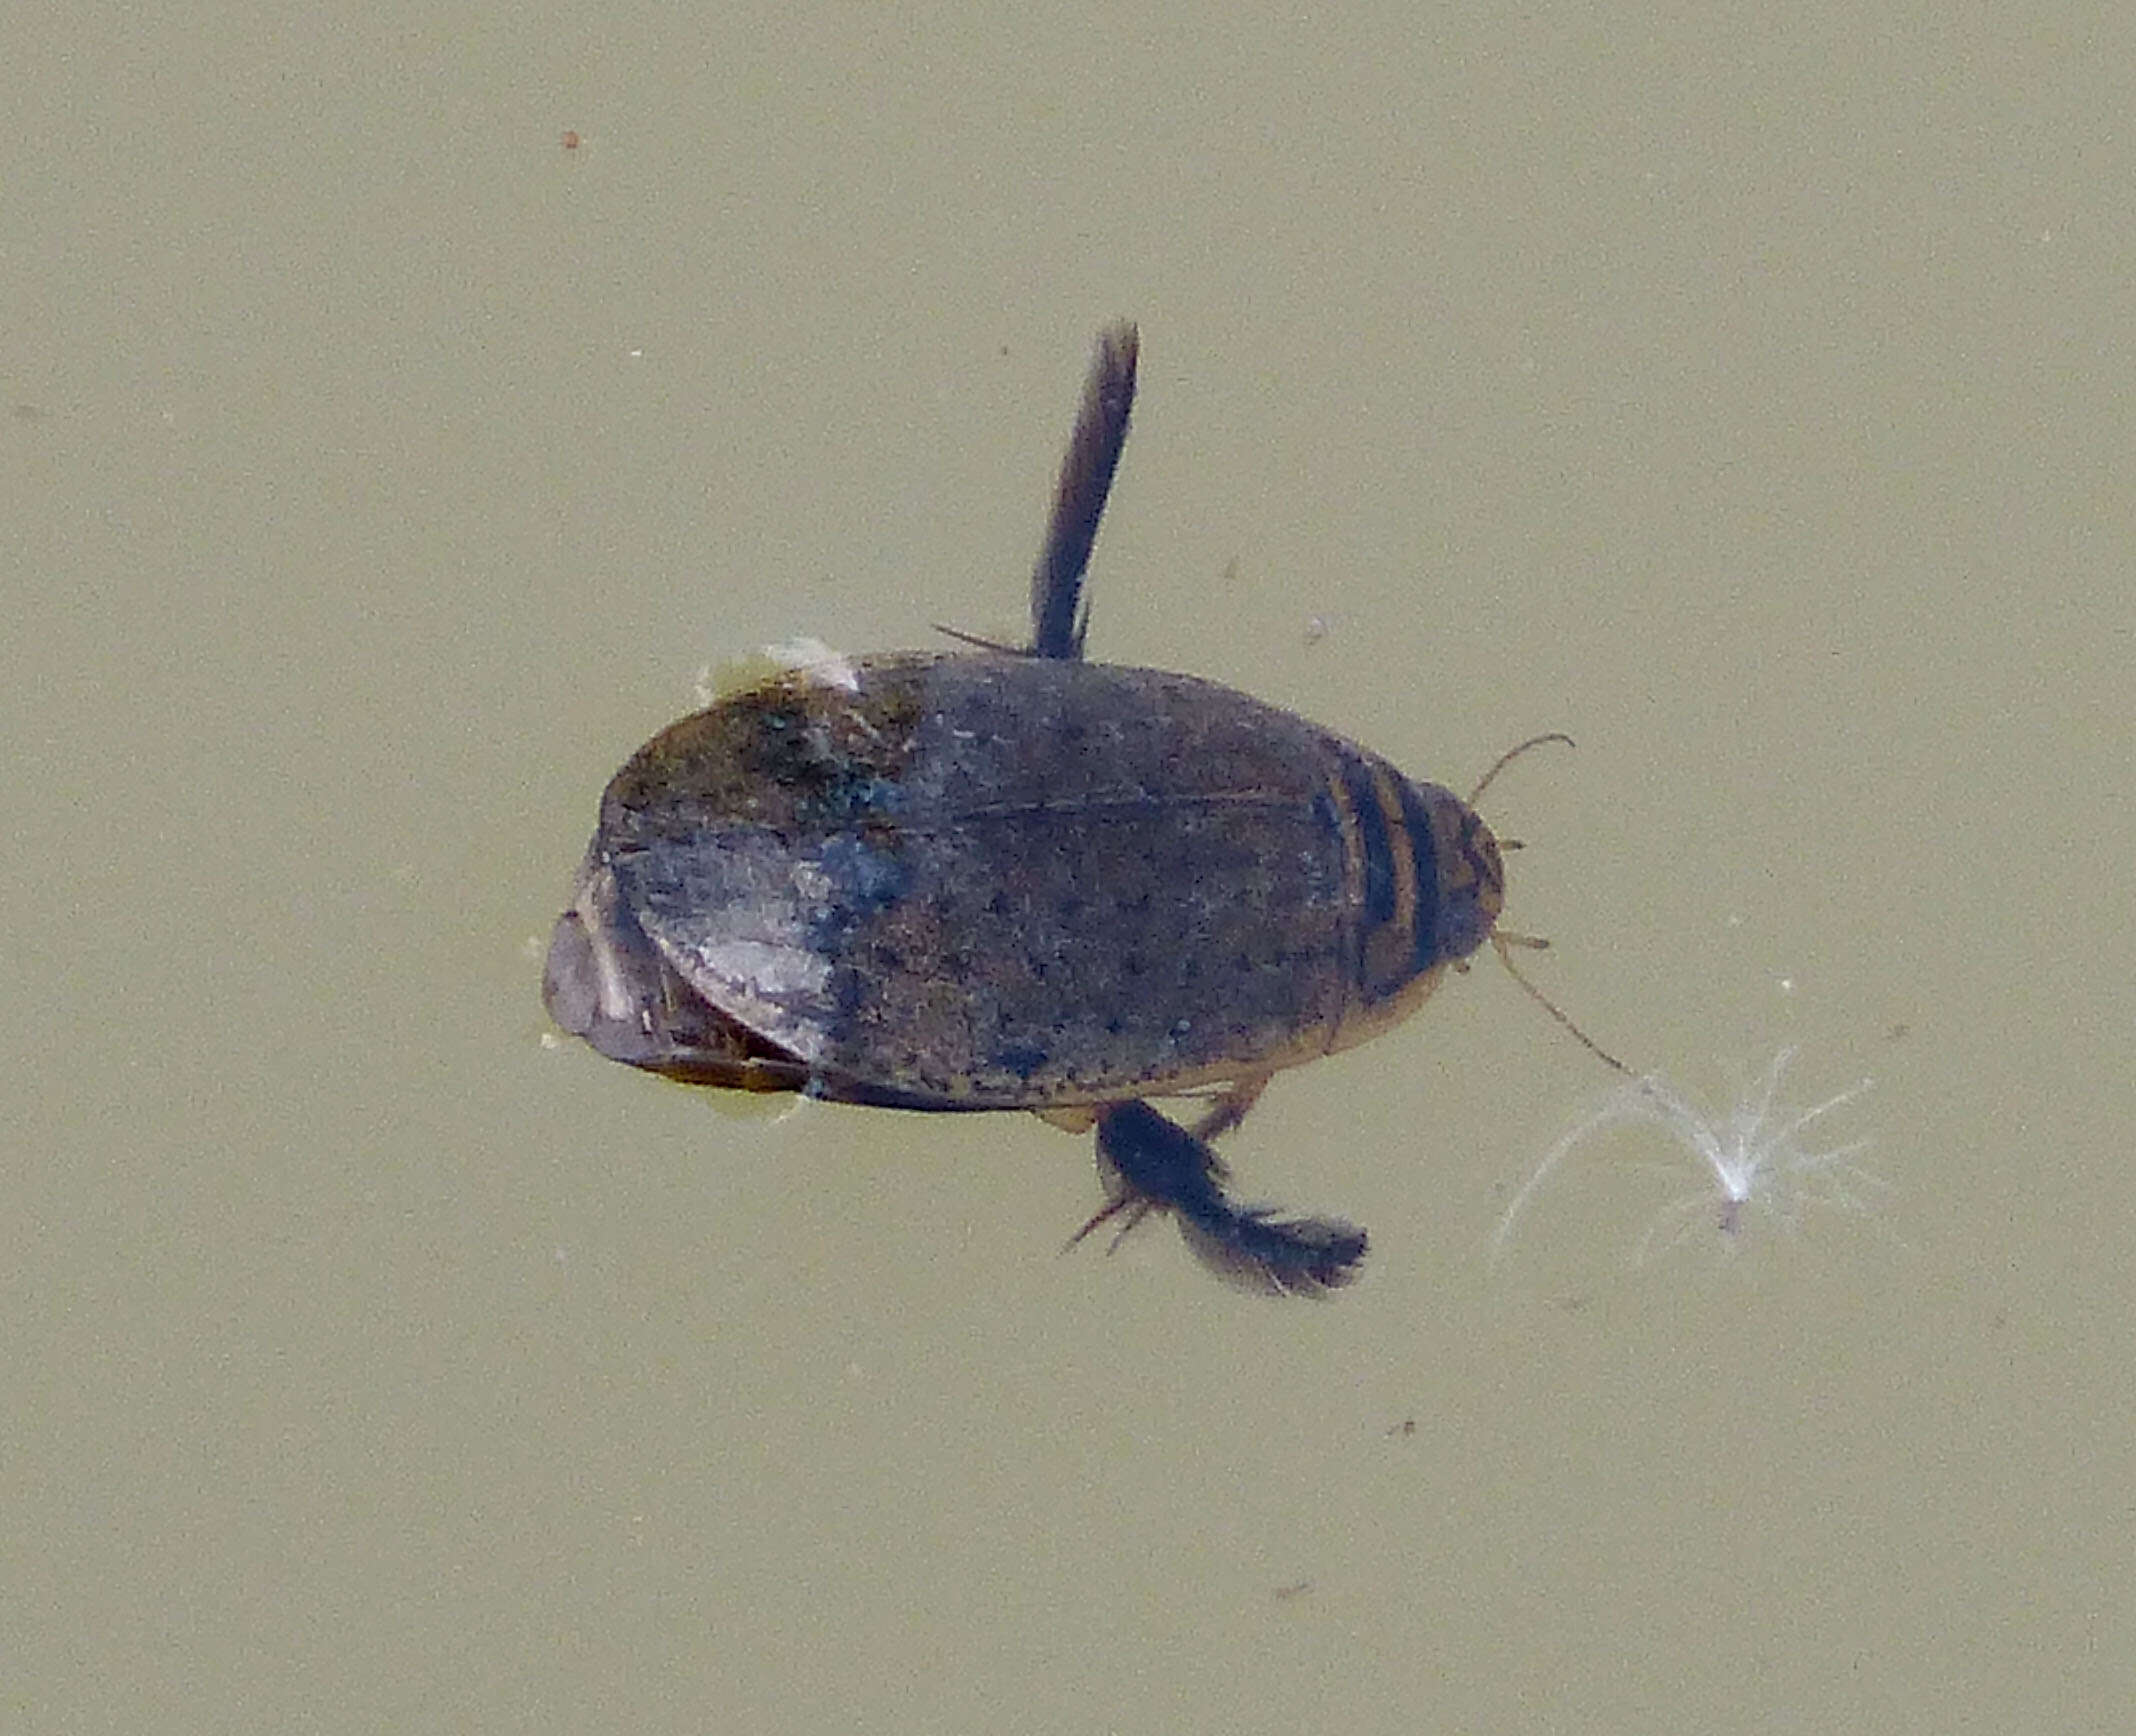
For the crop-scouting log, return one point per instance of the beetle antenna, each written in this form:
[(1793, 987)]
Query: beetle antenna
[(1513, 753), (1504, 944)]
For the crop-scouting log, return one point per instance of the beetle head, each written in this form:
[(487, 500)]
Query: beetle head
[(1472, 877)]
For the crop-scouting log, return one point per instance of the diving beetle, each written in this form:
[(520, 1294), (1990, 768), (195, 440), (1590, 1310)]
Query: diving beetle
[(1008, 878)]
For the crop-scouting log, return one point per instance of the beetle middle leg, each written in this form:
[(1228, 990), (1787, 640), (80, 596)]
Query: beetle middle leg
[(1230, 1109), (1154, 1164)]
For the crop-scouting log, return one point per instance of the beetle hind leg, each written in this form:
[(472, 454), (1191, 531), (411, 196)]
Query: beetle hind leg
[(1059, 615), (1152, 1164)]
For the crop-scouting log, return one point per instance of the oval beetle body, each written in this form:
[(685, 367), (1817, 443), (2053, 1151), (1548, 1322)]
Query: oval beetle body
[(1019, 880)]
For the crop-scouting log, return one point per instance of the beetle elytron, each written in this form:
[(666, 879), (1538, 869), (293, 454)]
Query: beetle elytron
[(1013, 879)]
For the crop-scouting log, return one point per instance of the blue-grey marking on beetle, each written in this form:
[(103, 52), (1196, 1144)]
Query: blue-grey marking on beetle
[(1017, 880)]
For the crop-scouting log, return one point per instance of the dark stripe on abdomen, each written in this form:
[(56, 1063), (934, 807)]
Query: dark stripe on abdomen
[(1387, 931), (1373, 844), (1424, 853)]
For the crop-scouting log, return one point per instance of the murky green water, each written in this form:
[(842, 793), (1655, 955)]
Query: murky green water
[(1752, 404)]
